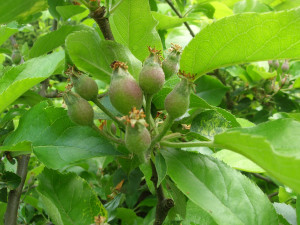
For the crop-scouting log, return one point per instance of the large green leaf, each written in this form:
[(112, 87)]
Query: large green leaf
[(2, 212), (18, 9), (250, 6), (225, 194), (243, 38), (274, 146), (6, 32), (133, 26), (166, 22), (10, 180), (94, 55), (196, 215), (19, 148), (21, 78), (68, 11), (68, 199), (238, 161), (210, 89), (209, 123), (179, 200), (52, 40), (57, 141), (161, 168), (287, 4), (128, 217), (298, 209), (287, 212)]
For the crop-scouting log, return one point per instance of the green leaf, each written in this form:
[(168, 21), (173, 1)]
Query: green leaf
[(205, 8), (52, 40), (128, 217), (274, 146), (30, 98), (10, 179), (57, 141), (5, 50), (161, 168), (68, 199), (2, 212), (133, 26), (166, 22), (52, 7), (287, 212), (238, 161), (18, 9), (245, 123), (196, 215), (68, 11), (225, 194), (179, 199), (3, 198), (228, 116), (288, 4), (6, 32), (298, 209), (238, 71), (209, 123), (297, 83), (21, 78), (20, 147), (250, 6), (210, 89), (93, 55), (10, 115), (257, 73), (294, 69), (221, 10), (146, 170), (243, 38)]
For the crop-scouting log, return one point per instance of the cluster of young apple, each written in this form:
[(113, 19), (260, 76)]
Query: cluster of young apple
[(127, 95)]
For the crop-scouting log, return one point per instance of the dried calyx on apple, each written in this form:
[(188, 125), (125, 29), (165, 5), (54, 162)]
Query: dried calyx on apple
[(137, 136)]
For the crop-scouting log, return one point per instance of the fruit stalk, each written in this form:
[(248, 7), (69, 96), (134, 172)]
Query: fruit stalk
[(103, 134), (166, 126), (107, 112), (188, 144), (148, 109)]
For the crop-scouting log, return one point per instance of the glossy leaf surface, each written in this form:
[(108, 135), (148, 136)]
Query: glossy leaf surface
[(133, 26), (274, 146), (57, 141), (68, 199), (243, 38), (18, 9), (21, 78), (52, 40), (93, 55), (225, 194)]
